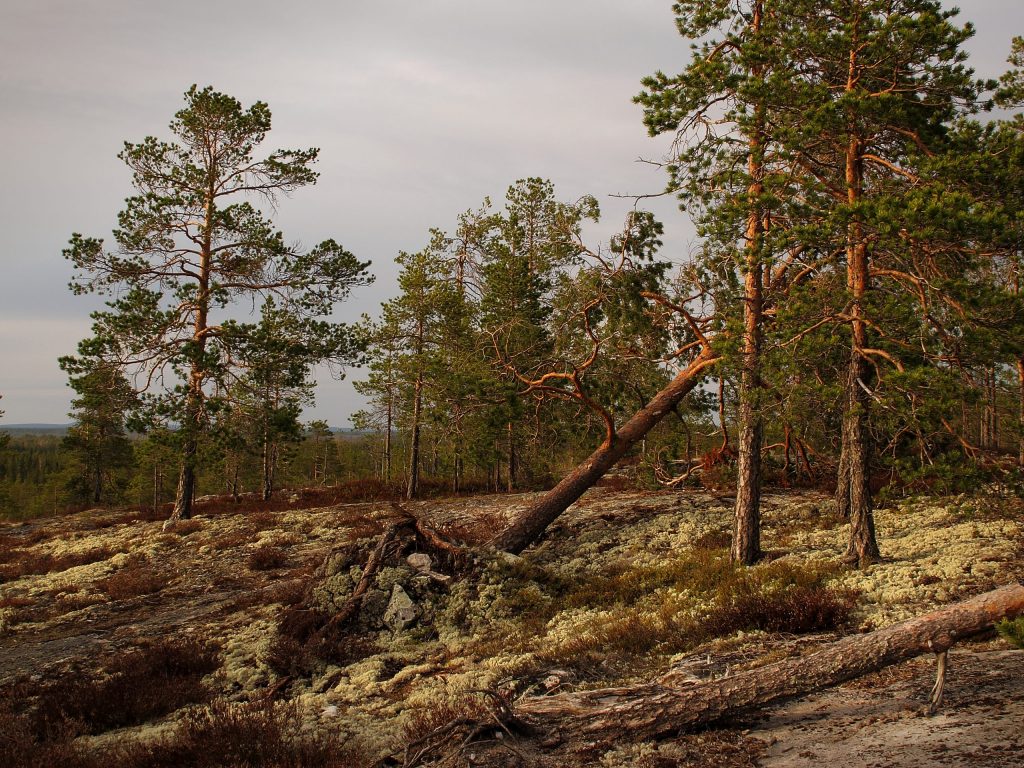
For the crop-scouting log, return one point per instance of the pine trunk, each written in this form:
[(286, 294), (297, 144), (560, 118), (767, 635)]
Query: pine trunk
[(863, 544), (746, 538), (1020, 411), (387, 444), (534, 521), (511, 459), (186, 485), (97, 485), (269, 464), (414, 441), (647, 711), (855, 461), (195, 397)]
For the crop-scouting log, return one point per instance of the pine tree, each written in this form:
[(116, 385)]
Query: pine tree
[(190, 244), (722, 108), (876, 85), (97, 443)]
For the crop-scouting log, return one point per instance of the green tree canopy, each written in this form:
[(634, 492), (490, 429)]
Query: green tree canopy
[(193, 243)]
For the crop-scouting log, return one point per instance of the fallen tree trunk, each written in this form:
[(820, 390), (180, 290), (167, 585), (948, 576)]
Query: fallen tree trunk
[(647, 711), (532, 523)]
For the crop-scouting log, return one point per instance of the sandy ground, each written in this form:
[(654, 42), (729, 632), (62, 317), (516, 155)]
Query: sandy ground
[(874, 723)]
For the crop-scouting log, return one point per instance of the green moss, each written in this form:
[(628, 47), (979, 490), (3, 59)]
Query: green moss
[(1012, 631)]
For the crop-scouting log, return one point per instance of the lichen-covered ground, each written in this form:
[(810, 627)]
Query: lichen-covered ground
[(620, 589)]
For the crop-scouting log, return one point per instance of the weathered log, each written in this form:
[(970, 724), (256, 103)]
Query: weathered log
[(649, 710), (532, 522)]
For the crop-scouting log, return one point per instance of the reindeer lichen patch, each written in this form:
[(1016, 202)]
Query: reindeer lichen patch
[(932, 553), (245, 651), (609, 596)]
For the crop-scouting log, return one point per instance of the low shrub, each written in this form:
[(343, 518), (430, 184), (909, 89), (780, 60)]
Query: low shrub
[(230, 540), (29, 563), (185, 527), (1012, 631), (137, 578), (431, 723), (220, 735), (794, 610), (261, 521), (20, 610), (21, 746), (132, 688), (700, 570), (267, 558), (649, 608), (256, 734)]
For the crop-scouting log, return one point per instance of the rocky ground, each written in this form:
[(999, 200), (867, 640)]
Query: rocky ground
[(626, 586)]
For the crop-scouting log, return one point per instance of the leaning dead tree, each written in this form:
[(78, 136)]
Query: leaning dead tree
[(532, 522), (653, 709), (687, 320)]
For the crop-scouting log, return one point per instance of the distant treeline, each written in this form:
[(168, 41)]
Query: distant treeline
[(43, 474)]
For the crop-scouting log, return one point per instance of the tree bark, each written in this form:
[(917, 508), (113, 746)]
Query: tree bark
[(414, 440), (650, 710), (533, 521), (97, 484), (186, 485), (855, 461), (842, 495), (511, 458), (195, 397), (1020, 412), (863, 544), (269, 464), (387, 440), (746, 537)]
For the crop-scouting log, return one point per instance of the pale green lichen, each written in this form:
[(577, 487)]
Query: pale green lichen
[(245, 649), (513, 623), (931, 552)]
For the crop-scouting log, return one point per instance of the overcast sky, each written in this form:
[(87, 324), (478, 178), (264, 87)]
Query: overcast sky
[(420, 109)]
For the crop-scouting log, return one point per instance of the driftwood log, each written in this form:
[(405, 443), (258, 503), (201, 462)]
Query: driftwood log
[(647, 711)]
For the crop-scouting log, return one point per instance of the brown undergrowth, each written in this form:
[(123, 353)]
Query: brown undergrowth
[(254, 734), (221, 734), (629, 610), (130, 688), (138, 577), (26, 562)]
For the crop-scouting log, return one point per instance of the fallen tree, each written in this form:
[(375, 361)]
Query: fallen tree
[(653, 709), (529, 526), (591, 720)]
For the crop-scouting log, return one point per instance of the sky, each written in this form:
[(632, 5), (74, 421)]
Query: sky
[(420, 110)]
